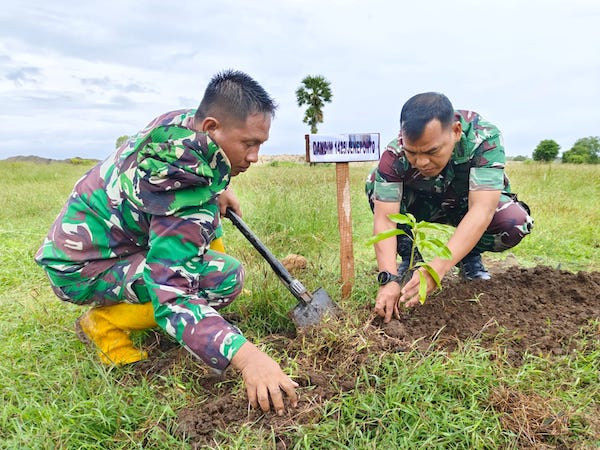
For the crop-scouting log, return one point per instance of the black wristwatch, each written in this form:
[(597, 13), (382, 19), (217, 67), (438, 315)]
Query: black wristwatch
[(385, 277)]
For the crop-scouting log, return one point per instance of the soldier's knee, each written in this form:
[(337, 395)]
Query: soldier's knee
[(232, 281), (512, 223), (240, 274)]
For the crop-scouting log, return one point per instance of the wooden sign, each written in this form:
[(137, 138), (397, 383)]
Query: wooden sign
[(342, 149), (355, 147)]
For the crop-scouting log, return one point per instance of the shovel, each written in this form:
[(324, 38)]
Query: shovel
[(311, 308)]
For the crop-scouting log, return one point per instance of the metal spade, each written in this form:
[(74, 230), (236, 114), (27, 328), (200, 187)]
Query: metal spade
[(311, 308)]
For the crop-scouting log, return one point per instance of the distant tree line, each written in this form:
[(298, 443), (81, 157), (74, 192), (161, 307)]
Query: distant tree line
[(584, 151)]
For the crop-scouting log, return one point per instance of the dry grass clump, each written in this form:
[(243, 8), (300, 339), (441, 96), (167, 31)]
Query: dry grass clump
[(294, 263), (530, 416)]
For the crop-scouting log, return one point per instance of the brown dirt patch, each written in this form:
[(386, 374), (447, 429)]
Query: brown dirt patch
[(539, 310), (524, 310)]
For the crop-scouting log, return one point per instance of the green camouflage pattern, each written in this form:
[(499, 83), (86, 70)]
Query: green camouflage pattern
[(477, 164), (137, 228)]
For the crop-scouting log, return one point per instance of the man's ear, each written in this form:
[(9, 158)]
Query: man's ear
[(457, 131), (209, 124)]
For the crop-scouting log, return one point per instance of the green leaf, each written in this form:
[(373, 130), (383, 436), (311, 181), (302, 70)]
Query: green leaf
[(422, 287), (433, 274), (384, 235), (420, 237), (445, 253), (403, 219), (426, 245), (434, 226), (441, 250)]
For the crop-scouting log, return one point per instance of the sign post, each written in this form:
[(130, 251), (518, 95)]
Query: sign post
[(342, 149)]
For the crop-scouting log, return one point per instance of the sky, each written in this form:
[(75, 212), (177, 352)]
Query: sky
[(76, 75)]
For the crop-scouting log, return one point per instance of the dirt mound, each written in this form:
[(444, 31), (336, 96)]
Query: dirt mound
[(535, 310), (539, 310)]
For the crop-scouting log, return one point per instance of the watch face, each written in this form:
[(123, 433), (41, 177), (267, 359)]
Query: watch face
[(383, 277), (386, 277)]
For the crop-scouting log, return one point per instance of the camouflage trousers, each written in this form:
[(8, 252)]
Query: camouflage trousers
[(194, 323), (104, 282), (510, 224)]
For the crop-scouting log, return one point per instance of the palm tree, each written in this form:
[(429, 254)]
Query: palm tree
[(314, 92)]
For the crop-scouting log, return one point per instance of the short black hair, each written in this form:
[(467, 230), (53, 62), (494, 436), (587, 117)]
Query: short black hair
[(236, 95), (421, 109)]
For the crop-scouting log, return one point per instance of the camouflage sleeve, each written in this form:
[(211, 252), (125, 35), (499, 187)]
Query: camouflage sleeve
[(176, 183), (386, 191), (175, 273), (387, 183), (487, 173), (486, 179)]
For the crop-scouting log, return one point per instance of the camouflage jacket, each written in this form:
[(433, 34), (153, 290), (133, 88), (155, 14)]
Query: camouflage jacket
[(477, 163), (158, 193)]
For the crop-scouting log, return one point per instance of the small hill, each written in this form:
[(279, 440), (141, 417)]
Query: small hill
[(41, 160)]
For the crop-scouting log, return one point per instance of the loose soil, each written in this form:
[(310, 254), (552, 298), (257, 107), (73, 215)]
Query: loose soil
[(519, 311)]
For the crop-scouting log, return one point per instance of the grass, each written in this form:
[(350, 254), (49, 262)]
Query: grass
[(434, 403), (55, 394), (562, 198)]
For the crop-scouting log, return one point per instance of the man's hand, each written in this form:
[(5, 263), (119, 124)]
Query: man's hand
[(386, 303), (227, 198), (410, 291), (264, 379)]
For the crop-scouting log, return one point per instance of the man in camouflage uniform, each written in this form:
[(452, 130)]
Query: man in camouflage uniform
[(134, 238), (447, 167)]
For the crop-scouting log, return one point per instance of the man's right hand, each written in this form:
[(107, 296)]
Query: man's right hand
[(264, 379), (386, 303)]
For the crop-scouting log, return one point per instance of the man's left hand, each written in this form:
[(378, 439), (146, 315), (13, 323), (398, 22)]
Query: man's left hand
[(410, 291), (227, 198)]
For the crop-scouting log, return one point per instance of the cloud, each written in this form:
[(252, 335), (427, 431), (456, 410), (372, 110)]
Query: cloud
[(89, 72), (112, 84), (24, 75)]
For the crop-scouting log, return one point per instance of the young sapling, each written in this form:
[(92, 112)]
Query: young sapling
[(421, 239)]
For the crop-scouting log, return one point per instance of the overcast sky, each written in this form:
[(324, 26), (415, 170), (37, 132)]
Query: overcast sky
[(75, 75)]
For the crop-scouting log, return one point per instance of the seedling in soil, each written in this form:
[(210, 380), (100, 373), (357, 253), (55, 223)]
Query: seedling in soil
[(421, 239)]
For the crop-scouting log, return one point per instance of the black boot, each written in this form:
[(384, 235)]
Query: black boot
[(471, 267)]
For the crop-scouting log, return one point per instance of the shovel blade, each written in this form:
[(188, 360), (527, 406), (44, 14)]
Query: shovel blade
[(308, 314)]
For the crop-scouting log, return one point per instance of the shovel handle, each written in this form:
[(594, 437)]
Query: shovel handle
[(291, 283)]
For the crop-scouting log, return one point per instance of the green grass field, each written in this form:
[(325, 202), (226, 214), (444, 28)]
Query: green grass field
[(55, 394)]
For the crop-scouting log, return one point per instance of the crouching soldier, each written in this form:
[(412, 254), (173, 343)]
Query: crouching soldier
[(139, 237), (446, 166)]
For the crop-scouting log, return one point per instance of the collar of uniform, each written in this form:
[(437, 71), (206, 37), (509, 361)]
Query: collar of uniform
[(217, 161)]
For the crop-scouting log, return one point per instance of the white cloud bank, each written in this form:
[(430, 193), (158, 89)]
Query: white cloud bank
[(74, 76)]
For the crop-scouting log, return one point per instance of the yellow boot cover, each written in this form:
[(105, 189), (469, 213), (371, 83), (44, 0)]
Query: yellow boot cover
[(217, 245), (108, 327)]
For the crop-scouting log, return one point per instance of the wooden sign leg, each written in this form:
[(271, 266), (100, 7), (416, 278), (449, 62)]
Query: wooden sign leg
[(342, 175)]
